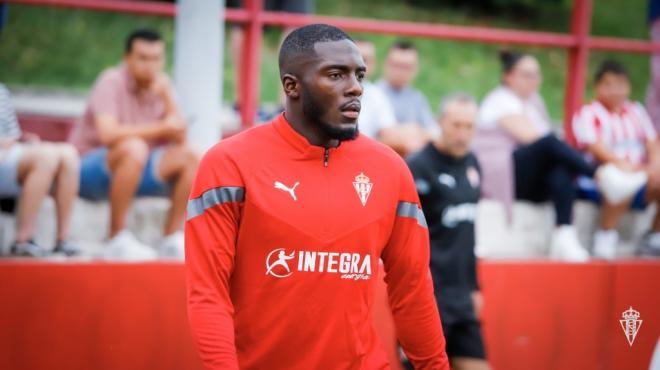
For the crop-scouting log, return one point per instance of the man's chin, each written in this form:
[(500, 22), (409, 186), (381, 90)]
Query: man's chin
[(348, 125), (342, 132)]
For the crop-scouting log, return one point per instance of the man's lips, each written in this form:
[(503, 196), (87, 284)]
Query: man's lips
[(350, 114), (351, 110)]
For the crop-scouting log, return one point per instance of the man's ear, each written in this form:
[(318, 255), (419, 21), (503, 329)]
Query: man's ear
[(291, 86)]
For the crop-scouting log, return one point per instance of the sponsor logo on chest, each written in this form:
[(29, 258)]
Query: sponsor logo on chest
[(282, 263)]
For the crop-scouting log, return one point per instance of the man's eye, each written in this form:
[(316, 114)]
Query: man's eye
[(335, 76), (360, 76)]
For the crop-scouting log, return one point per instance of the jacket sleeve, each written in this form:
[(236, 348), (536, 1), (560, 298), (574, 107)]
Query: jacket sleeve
[(409, 282), (211, 229)]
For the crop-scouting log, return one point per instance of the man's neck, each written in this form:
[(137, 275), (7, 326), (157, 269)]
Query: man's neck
[(308, 130), (395, 87), (441, 147), (614, 108)]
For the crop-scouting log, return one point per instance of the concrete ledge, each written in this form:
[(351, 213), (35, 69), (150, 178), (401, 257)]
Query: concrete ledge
[(529, 234), (89, 225)]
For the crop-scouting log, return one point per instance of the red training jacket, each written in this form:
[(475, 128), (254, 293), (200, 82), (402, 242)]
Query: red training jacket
[(283, 240)]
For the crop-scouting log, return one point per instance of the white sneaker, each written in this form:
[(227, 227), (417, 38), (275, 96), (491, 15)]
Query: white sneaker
[(565, 245), (172, 246), (617, 185), (125, 246), (605, 242)]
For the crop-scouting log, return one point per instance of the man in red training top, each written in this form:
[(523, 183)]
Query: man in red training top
[(286, 223)]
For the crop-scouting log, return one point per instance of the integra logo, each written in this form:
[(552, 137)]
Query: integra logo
[(281, 263)]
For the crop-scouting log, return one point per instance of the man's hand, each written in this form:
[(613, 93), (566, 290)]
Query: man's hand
[(653, 183), (412, 138), (477, 302), (174, 129), (161, 85), (30, 137), (626, 166), (6, 143)]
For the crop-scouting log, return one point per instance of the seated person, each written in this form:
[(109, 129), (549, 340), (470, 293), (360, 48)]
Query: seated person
[(612, 129), (30, 169), (132, 140), (539, 167), (415, 122)]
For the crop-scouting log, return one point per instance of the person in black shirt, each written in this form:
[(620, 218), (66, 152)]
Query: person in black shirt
[(447, 176)]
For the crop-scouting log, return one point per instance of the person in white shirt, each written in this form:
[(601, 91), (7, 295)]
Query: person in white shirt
[(376, 115), (543, 168)]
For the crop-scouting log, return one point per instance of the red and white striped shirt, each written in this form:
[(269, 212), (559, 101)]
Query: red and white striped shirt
[(625, 134)]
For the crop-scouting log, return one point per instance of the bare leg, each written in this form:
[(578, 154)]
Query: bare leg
[(655, 227), (467, 363), (178, 166), (653, 196), (36, 170), (126, 160), (66, 187), (611, 214)]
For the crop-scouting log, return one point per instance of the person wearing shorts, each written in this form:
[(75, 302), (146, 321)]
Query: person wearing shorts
[(132, 142), (30, 170), (614, 130)]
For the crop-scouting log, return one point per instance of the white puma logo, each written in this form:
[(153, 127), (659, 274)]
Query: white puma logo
[(291, 191)]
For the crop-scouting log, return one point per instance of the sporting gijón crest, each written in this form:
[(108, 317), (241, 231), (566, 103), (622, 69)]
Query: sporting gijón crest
[(363, 187)]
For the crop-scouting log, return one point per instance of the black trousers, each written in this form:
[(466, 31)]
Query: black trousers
[(546, 170)]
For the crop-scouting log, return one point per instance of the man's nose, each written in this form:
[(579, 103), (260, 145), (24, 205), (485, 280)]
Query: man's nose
[(355, 86)]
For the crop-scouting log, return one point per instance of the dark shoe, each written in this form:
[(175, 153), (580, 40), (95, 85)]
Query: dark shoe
[(28, 249), (649, 246), (66, 248)]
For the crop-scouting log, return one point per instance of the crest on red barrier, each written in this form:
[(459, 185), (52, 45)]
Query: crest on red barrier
[(630, 324)]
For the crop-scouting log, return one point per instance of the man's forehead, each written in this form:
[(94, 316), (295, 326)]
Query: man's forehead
[(338, 52), (614, 77), (149, 46), (457, 107), (404, 57)]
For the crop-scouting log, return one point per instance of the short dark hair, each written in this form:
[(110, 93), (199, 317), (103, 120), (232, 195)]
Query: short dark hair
[(301, 42), (403, 45), (509, 59), (610, 66), (141, 34)]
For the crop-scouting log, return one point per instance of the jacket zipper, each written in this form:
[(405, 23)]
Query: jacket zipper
[(326, 157)]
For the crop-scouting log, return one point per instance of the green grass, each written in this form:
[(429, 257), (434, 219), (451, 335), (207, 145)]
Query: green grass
[(63, 48)]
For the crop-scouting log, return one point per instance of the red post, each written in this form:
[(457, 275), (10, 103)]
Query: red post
[(249, 69), (578, 58)]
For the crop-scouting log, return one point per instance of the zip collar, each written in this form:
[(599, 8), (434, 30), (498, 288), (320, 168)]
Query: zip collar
[(301, 145)]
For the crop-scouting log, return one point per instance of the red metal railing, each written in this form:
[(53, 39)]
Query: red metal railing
[(252, 17)]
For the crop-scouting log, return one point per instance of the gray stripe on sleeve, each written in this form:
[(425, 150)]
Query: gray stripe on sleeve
[(214, 197), (411, 210)]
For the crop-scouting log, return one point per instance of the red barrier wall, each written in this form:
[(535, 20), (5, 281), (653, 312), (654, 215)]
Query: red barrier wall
[(548, 316), (94, 316), (537, 315)]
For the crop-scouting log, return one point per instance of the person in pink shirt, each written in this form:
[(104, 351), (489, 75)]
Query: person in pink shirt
[(132, 140)]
